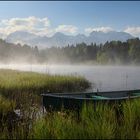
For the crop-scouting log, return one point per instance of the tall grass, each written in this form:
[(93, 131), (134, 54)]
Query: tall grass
[(130, 123), (5, 105), (11, 80), (21, 90), (25, 87), (102, 121), (99, 123)]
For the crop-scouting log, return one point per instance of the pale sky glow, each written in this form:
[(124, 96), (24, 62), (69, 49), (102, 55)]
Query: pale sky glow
[(47, 18)]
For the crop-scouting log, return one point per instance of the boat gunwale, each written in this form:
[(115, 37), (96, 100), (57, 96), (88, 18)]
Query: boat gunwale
[(99, 92), (91, 99)]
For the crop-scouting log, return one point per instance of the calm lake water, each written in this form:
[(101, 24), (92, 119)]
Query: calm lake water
[(105, 78)]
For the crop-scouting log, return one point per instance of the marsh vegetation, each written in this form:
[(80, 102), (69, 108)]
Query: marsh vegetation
[(102, 123), (21, 90)]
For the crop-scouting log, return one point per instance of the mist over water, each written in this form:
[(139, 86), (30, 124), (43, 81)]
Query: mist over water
[(105, 78)]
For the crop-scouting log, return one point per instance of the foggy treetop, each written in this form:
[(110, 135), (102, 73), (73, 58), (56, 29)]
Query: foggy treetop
[(114, 52)]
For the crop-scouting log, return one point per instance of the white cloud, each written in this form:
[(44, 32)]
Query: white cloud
[(31, 24), (102, 29), (135, 31), (39, 26), (67, 29)]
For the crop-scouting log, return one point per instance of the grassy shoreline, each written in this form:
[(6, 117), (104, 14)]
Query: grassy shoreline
[(17, 80), (16, 84), (22, 89)]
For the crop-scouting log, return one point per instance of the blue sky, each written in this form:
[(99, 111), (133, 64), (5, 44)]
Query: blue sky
[(72, 17)]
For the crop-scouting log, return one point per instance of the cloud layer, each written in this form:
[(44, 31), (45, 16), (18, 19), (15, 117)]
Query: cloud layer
[(102, 29), (31, 24), (42, 26), (39, 26), (135, 31), (67, 29)]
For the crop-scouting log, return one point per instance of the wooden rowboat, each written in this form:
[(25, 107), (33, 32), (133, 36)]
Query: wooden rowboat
[(74, 101)]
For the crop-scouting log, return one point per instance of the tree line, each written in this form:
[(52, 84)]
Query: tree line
[(114, 52)]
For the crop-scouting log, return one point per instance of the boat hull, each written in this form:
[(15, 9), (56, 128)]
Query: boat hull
[(59, 101)]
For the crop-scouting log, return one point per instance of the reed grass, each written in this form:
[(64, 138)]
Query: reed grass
[(25, 87), (21, 90), (130, 122), (94, 122), (5, 105), (12, 80), (99, 123)]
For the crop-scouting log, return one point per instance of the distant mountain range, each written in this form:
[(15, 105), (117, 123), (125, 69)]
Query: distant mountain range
[(61, 40)]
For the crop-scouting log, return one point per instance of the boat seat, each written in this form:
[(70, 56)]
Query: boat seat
[(99, 97), (136, 94)]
